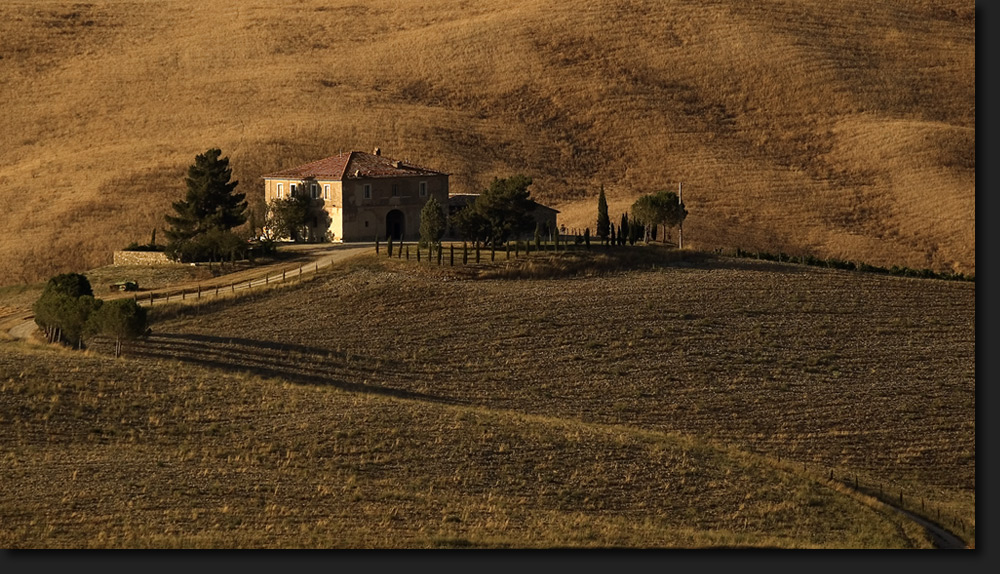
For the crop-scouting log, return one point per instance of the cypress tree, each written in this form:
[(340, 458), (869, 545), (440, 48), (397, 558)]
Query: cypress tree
[(603, 221), (623, 230)]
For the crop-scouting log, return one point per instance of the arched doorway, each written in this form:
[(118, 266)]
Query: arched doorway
[(394, 222)]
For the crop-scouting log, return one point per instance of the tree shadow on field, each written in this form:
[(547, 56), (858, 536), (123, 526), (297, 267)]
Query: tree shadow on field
[(295, 363)]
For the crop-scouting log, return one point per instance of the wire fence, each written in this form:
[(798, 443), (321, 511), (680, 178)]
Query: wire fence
[(891, 494)]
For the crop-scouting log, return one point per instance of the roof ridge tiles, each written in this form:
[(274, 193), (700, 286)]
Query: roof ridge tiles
[(354, 164)]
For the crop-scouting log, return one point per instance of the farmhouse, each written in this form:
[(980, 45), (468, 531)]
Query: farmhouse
[(357, 196)]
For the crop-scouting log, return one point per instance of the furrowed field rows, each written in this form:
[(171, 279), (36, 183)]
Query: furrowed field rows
[(869, 373), (136, 454)]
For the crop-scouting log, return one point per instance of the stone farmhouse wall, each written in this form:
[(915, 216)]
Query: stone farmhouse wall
[(141, 258)]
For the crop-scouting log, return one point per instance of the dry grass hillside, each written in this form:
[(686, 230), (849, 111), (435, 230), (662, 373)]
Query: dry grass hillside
[(838, 128)]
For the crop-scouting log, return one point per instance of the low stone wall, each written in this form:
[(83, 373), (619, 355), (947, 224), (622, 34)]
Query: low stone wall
[(141, 258)]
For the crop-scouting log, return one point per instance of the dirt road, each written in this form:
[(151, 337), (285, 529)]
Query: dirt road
[(308, 259)]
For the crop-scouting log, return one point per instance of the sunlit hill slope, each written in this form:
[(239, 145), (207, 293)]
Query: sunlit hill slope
[(835, 128)]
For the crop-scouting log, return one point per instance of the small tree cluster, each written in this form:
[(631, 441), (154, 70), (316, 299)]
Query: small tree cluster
[(660, 208), (67, 312), (499, 213), (63, 308)]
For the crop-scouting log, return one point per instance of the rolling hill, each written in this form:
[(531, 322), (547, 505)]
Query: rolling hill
[(835, 128)]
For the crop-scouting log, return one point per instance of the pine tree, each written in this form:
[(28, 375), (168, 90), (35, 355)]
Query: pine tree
[(603, 221), (64, 306), (121, 319), (210, 202)]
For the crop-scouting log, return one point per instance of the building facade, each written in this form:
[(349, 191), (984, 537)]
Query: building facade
[(358, 196)]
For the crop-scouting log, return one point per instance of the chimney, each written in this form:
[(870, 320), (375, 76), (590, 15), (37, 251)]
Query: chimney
[(378, 151)]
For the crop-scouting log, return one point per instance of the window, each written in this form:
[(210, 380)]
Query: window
[(314, 190), (423, 189), (291, 192), (368, 191), (326, 191), (281, 187), (395, 190)]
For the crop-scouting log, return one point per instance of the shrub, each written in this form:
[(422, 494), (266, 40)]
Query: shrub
[(212, 245)]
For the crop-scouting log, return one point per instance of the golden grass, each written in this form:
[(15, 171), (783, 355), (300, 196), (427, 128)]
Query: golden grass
[(841, 129), (103, 453)]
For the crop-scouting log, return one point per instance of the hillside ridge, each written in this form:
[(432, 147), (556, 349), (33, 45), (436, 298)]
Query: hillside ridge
[(839, 129)]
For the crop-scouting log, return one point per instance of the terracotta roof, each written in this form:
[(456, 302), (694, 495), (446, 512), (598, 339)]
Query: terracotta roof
[(355, 164)]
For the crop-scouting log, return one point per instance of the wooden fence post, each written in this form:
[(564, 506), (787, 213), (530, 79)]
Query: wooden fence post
[(418, 253), (452, 254), (465, 253), (477, 252), (407, 252)]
